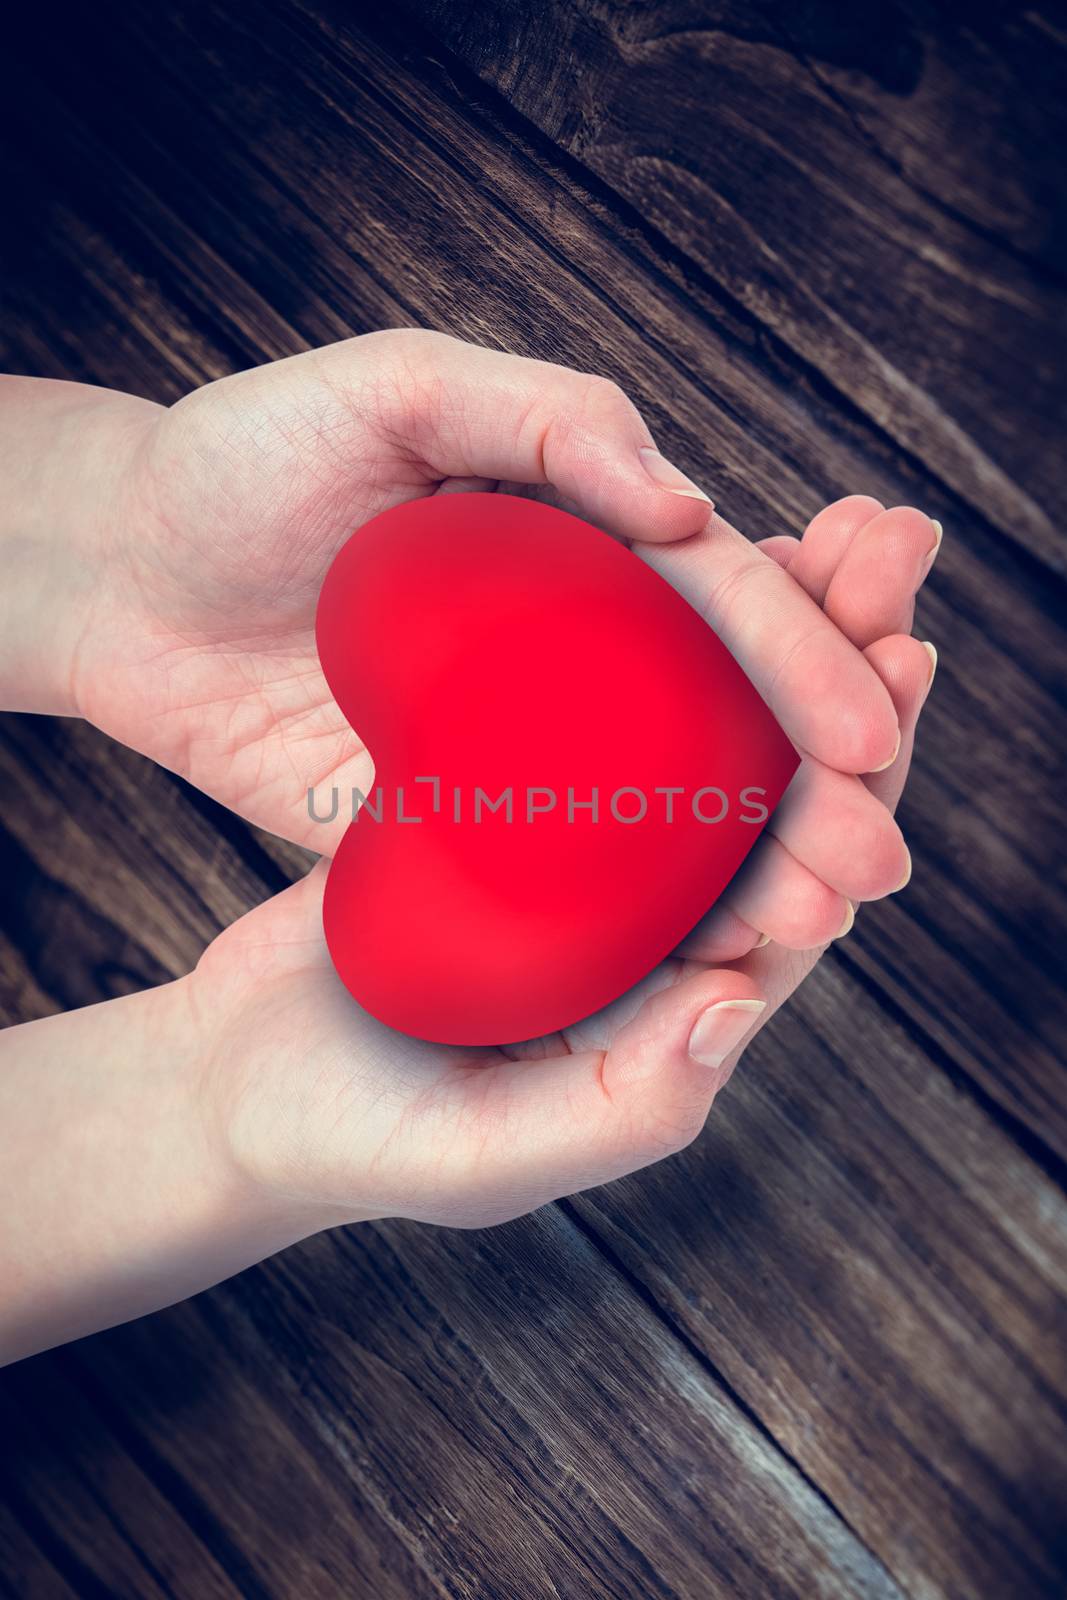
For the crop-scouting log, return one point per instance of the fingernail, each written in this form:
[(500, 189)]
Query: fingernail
[(850, 917), (763, 939), (719, 1030), (666, 476), (906, 879), (939, 534), (931, 651), (892, 758)]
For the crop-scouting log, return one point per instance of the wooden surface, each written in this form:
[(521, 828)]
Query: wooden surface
[(821, 1353)]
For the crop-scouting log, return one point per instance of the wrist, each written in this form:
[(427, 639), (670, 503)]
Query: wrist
[(254, 1126), (239, 1149), (267, 1053), (120, 1194), (68, 450)]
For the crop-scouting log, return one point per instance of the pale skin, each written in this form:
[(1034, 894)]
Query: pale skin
[(164, 566)]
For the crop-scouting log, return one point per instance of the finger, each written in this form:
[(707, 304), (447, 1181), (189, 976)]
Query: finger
[(872, 593), (906, 667), (552, 1127), (826, 697), (776, 971), (782, 548), (827, 538), (776, 893), (454, 410), (720, 936), (840, 828), (832, 824)]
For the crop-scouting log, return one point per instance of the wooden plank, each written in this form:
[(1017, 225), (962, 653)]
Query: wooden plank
[(21, 996), (498, 1408), (102, 1528), (734, 135), (121, 840), (880, 1274), (26, 1573), (201, 1433), (818, 1354)]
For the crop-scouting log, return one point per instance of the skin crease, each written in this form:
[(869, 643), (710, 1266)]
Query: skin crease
[(183, 607)]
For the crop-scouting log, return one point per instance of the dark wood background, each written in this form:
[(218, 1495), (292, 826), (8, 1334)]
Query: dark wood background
[(820, 1354)]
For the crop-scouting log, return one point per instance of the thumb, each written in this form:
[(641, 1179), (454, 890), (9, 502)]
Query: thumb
[(571, 1122), (456, 410)]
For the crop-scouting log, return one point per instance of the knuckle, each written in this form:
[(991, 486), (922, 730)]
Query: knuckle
[(601, 399), (732, 594), (580, 418), (861, 504), (880, 861), (815, 919)]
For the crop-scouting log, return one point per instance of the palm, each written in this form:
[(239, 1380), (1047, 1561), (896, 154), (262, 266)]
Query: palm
[(371, 1121), (209, 662)]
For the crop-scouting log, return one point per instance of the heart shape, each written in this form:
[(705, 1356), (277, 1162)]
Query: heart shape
[(499, 646)]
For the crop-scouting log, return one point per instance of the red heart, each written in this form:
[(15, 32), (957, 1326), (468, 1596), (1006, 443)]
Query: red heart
[(496, 644)]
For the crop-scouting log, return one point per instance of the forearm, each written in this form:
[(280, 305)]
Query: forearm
[(118, 1194), (64, 451)]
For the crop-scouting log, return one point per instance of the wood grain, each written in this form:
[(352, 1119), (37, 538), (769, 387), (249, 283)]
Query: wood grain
[(822, 1352), (861, 237)]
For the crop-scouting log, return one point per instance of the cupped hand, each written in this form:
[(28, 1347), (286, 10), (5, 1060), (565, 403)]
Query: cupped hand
[(339, 1118), (198, 645)]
